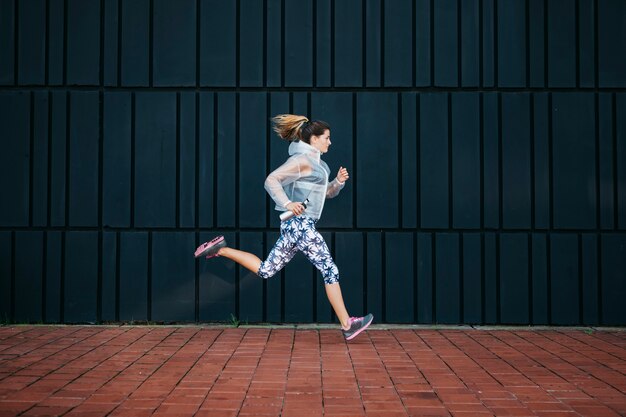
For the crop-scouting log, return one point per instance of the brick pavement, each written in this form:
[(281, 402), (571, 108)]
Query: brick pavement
[(131, 371)]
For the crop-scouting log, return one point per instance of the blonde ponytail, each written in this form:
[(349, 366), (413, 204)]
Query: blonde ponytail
[(289, 126)]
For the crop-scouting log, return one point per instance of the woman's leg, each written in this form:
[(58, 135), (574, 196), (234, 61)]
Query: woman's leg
[(279, 256), (245, 259), (314, 247), (333, 292)]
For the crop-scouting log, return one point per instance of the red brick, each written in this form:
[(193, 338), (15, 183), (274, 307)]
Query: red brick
[(226, 372)]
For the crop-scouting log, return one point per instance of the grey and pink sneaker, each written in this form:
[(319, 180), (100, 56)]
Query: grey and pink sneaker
[(210, 248), (357, 325)]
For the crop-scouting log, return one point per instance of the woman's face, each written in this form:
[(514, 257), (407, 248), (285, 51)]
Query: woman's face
[(322, 142)]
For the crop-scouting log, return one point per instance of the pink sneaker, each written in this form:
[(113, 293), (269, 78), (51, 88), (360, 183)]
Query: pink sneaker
[(357, 325), (210, 248)]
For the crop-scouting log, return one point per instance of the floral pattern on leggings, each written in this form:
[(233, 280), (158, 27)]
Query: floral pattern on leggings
[(299, 234)]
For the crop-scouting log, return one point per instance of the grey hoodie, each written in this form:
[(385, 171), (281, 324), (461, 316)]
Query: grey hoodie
[(304, 175)]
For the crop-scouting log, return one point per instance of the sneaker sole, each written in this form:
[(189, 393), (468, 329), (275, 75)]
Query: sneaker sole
[(206, 247), (360, 330)]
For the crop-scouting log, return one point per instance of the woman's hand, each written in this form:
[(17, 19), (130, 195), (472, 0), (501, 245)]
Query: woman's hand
[(296, 208), (342, 175)]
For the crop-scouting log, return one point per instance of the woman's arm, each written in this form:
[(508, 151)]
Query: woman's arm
[(336, 185), (281, 176)]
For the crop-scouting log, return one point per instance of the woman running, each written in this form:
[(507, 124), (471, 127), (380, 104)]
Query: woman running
[(299, 186)]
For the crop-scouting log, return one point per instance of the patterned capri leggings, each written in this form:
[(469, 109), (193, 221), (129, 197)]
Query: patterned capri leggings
[(299, 234)]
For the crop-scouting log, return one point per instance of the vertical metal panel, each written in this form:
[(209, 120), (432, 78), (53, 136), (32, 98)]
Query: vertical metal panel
[(516, 160), (155, 160), (28, 276), (6, 266), (373, 43), (253, 142), (133, 280), (536, 43), (564, 284), (32, 42), (40, 158), (590, 286), (108, 295), (539, 269), (116, 159), (7, 40), (377, 130), (611, 45), (514, 274), (492, 290), (348, 69), (323, 42), (298, 43), (349, 250), (562, 43), (489, 46), (399, 255), (226, 151), (174, 38), (336, 109), (135, 43), (218, 35), (251, 43), (541, 155), (54, 267), (80, 282), (423, 53), (425, 268), (56, 42), (434, 196), (446, 43), (110, 31), (217, 293), (58, 157), (574, 168), (187, 126), (466, 160), (273, 285), (470, 43), (620, 158), (613, 290), (511, 43), (206, 159), (398, 47), (374, 270), (274, 43), (15, 158), (173, 283), (605, 161), (84, 148), (586, 50), (410, 160), (447, 273), (472, 278), (250, 284), (83, 42), (491, 161)]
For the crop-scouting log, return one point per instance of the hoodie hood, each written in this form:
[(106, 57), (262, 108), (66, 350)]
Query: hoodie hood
[(300, 147)]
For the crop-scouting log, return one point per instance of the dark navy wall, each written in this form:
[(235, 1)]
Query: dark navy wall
[(486, 141)]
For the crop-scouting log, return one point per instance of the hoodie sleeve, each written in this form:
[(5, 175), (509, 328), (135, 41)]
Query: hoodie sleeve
[(280, 177), (333, 188)]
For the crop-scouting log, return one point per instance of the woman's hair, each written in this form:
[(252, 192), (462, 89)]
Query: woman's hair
[(294, 128)]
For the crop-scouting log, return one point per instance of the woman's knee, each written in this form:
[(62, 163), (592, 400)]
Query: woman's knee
[(265, 271)]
